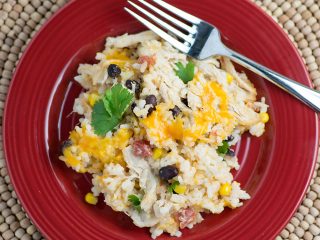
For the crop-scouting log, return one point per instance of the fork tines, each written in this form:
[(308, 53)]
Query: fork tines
[(186, 40)]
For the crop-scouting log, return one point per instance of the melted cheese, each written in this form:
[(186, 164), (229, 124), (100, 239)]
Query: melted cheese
[(70, 158), (160, 129), (156, 125), (209, 115), (101, 150), (119, 57)]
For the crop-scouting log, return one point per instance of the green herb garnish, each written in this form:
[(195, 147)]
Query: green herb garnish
[(117, 99), (223, 149), (107, 112), (135, 201), (172, 186), (186, 73)]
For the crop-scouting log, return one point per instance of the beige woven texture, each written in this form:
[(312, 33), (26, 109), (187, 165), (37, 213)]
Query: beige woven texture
[(21, 19)]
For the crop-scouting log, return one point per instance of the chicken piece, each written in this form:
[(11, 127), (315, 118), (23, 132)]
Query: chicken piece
[(243, 83), (92, 75), (246, 116), (130, 40), (143, 219), (147, 180)]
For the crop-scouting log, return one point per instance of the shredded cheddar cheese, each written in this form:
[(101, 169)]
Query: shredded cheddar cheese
[(102, 150), (119, 57), (160, 129)]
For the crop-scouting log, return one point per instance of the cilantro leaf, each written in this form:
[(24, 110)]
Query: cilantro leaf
[(107, 113), (107, 105), (223, 149), (102, 121), (117, 99), (135, 201), (186, 73), (173, 186)]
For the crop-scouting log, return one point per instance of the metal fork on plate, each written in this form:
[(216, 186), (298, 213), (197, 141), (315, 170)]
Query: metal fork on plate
[(203, 40)]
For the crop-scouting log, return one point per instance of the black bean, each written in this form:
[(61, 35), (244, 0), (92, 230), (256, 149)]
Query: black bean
[(231, 152), (151, 99), (185, 101), (150, 110), (114, 70), (65, 144), (175, 111), (230, 138), (130, 84), (133, 105), (168, 172), (137, 87)]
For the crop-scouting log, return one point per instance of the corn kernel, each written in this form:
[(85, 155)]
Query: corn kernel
[(264, 117), (158, 153), (82, 170), (91, 199), (180, 189), (227, 204), (225, 189), (229, 78), (92, 99)]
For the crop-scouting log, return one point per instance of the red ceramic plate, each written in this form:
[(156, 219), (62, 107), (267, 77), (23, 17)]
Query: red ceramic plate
[(275, 169)]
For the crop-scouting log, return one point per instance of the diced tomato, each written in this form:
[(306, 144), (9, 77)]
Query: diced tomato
[(186, 216), (150, 60), (142, 148)]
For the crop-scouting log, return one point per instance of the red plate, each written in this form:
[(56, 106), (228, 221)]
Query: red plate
[(275, 169)]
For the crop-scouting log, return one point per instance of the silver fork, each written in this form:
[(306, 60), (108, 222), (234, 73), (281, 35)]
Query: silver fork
[(203, 40)]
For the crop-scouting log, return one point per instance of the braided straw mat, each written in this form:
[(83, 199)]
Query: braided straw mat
[(21, 19)]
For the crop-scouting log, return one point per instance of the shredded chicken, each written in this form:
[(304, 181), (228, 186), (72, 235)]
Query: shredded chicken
[(246, 116), (147, 180), (243, 83), (126, 41)]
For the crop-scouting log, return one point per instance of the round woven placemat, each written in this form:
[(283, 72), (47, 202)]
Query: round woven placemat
[(21, 19)]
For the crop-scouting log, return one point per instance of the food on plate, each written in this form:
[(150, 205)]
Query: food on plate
[(158, 129)]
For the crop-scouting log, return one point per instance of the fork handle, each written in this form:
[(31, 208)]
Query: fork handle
[(301, 92)]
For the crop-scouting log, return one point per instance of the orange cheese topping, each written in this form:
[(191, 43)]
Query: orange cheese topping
[(158, 127), (102, 150), (119, 57), (160, 130)]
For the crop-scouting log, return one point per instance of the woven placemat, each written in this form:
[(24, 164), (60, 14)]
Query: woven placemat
[(21, 19)]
